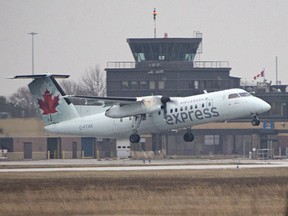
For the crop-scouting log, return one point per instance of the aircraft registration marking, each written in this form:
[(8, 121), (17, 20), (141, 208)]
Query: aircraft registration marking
[(85, 126)]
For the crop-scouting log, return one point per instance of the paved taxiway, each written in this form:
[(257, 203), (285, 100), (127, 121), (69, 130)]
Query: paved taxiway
[(135, 165)]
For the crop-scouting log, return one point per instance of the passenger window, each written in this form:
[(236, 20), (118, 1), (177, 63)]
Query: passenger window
[(181, 109), (171, 110), (176, 110), (191, 107), (203, 105)]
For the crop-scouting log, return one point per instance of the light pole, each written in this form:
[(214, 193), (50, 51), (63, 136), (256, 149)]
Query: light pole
[(32, 34)]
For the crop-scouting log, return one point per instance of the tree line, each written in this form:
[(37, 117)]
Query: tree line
[(22, 104)]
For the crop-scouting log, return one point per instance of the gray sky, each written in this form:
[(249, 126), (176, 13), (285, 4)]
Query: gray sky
[(74, 35)]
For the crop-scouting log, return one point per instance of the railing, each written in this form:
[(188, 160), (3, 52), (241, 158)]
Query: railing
[(197, 64), (121, 64), (211, 64)]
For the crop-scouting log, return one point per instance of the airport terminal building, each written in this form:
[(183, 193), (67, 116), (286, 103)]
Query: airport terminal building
[(169, 67)]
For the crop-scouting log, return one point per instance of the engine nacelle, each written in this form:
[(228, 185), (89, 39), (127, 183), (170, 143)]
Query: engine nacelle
[(144, 105)]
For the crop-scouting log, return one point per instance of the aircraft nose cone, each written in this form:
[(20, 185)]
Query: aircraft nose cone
[(265, 106)]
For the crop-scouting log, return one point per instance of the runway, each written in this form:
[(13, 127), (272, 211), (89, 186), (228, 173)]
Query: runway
[(136, 165)]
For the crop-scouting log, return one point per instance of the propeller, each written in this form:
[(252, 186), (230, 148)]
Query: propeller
[(164, 101)]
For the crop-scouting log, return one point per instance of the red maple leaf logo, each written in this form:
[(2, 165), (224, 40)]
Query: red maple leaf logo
[(48, 105)]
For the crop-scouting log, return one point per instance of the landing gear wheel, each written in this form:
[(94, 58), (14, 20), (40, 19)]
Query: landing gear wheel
[(188, 137), (134, 138), (255, 122)]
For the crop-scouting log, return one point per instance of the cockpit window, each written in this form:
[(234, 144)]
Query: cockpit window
[(233, 96), (244, 94)]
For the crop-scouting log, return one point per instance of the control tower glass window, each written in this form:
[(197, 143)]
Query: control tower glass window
[(165, 49)]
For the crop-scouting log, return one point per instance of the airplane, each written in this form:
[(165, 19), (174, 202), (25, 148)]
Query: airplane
[(119, 117)]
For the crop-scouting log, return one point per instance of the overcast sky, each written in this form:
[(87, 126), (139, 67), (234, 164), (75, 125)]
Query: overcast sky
[(74, 35)]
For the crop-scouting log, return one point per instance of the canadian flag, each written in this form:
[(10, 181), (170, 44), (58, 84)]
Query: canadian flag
[(261, 74)]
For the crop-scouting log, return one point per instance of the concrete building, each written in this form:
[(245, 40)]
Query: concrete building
[(25, 139)]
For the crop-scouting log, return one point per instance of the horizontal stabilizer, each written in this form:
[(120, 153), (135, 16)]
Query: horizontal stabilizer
[(36, 76)]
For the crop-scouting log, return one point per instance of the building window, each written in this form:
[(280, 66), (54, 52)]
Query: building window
[(124, 85), (152, 85), (143, 85), (161, 84), (196, 84), (140, 57), (134, 85)]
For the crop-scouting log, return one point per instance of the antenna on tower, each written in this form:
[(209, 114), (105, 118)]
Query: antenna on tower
[(154, 17)]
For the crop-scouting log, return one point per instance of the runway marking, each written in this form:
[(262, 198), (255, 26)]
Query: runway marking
[(144, 168)]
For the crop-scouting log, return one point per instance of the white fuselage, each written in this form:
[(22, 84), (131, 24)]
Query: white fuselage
[(182, 112)]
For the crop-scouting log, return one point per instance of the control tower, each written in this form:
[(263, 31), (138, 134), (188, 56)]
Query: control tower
[(164, 49), (167, 66)]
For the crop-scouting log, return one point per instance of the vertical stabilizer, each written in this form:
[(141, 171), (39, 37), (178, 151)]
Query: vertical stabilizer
[(48, 95)]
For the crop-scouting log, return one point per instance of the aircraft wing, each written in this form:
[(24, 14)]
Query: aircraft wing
[(107, 101), (127, 106)]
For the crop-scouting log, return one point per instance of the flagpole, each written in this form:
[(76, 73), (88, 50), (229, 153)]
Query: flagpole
[(277, 82)]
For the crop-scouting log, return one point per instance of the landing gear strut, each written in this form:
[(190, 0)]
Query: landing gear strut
[(188, 136), (255, 120), (135, 137)]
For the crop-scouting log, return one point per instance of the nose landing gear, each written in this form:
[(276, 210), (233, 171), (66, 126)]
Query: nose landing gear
[(255, 120)]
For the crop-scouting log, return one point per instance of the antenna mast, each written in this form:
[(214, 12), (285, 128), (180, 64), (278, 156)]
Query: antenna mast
[(154, 17)]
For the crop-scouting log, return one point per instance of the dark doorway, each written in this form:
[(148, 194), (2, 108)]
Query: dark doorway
[(87, 147), (74, 150), (54, 147), (27, 150)]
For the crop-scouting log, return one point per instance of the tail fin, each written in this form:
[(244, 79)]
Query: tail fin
[(48, 94)]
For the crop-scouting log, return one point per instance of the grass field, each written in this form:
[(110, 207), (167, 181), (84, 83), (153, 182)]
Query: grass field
[(194, 192)]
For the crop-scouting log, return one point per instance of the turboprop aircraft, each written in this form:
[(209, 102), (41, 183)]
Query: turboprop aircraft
[(120, 117)]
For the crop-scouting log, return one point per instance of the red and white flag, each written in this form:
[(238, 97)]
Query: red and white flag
[(261, 74)]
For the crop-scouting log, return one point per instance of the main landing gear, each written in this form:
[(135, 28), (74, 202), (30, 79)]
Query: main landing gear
[(135, 137), (188, 136), (255, 120)]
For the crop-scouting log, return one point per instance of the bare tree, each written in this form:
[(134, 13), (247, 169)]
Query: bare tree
[(23, 102), (71, 88), (93, 81)]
